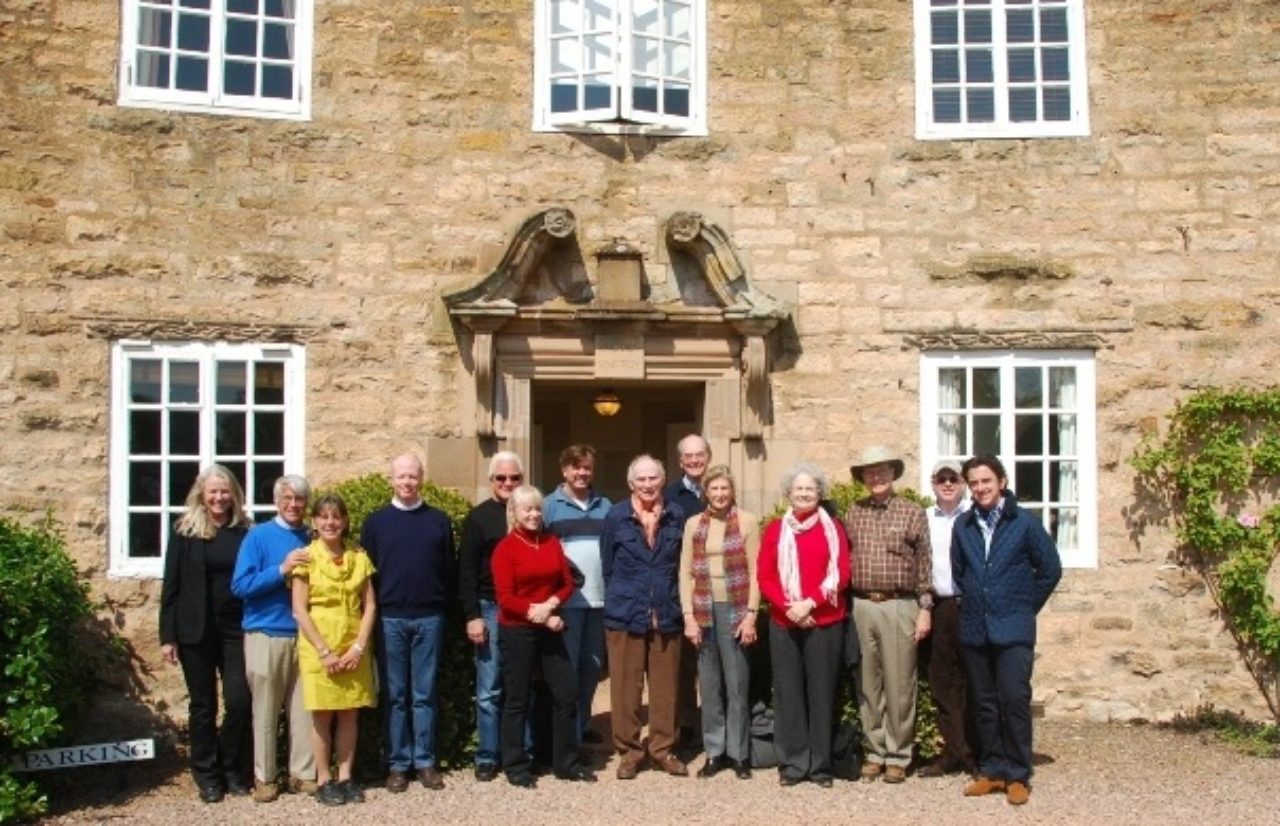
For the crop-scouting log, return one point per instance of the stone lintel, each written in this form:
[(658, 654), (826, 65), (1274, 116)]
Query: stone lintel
[(188, 329), (1008, 340)]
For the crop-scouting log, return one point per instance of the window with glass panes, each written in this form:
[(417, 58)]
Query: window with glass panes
[(615, 65), (248, 57), (1000, 68), (179, 407), (1033, 410)]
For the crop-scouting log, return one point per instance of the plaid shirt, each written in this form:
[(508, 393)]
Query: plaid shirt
[(890, 546)]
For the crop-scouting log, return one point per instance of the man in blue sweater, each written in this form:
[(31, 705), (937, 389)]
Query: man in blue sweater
[(270, 551), (411, 545), (1006, 567)]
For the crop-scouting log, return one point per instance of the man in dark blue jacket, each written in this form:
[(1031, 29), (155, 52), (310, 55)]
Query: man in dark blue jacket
[(1005, 566), (640, 556)]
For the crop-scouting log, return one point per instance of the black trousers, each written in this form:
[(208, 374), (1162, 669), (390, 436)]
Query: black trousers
[(522, 651), (944, 663), (218, 755), (806, 668), (1000, 696)]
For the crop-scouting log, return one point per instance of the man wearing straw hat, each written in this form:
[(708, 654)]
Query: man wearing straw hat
[(892, 603)]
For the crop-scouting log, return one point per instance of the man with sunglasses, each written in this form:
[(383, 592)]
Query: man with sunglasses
[(482, 529), (941, 653)]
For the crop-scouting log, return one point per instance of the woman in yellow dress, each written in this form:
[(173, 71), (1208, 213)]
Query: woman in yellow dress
[(334, 605)]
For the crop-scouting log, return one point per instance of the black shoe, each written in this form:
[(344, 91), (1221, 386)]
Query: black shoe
[(522, 781), (592, 737), (788, 780), (713, 766), (578, 775), (330, 795), (822, 782), (351, 793), (742, 769), (236, 787), (486, 772), (211, 794)]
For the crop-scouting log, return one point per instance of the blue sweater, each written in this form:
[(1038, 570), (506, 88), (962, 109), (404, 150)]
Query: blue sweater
[(640, 582), (268, 604), (579, 531), (414, 555), (1002, 591)]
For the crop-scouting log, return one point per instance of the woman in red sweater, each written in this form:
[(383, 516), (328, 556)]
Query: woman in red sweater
[(531, 580), (803, 571)]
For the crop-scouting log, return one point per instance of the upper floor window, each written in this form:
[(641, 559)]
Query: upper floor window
[(175, 408), (236, 57), (620, 66), (1000, 69), (1035, 410)]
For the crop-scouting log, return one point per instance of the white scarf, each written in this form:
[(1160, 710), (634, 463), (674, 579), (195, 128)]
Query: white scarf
[(789, 563)]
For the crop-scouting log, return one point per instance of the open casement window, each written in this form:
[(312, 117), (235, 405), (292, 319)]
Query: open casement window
[(620, 66), (177, 407), (1000, 69), (1035, 410), (235, 57)]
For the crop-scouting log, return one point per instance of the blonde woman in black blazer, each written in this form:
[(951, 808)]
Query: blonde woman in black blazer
[(200, 628)]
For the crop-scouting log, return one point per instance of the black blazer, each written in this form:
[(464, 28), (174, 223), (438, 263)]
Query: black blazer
[(184, 608)]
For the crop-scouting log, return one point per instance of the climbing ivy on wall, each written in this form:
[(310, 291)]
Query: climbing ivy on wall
[(1216, 465)]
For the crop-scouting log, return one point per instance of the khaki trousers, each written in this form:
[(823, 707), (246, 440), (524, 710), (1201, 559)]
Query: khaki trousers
[(631, 658), (887, 678), (271, 664)]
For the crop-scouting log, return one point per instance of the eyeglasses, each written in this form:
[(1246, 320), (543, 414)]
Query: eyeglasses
[(947, 480), (515, 477)]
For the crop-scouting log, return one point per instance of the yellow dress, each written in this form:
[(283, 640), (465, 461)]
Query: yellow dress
[(334, 606)]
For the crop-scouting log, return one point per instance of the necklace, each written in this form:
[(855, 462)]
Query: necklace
[(531, 543)]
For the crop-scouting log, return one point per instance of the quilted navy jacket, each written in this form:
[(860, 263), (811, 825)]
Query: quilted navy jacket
[(1002, 592), (639, 582)]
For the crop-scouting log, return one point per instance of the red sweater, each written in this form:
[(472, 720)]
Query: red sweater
[(523, 574), (811, 553)]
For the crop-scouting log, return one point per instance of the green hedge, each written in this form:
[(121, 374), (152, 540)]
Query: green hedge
[(44, 609)]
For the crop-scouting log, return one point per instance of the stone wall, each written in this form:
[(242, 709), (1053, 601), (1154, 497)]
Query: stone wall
[(1154, 239)]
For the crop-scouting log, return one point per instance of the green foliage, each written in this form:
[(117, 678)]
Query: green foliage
[(1221, 451), (43, 610), (1253, 738), (455, 723)]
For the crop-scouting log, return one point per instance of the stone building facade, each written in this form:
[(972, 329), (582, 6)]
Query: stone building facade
[(402, 239)]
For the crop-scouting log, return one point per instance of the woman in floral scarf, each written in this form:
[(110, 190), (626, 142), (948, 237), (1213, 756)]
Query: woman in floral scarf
[(804, 570), (719, 597)]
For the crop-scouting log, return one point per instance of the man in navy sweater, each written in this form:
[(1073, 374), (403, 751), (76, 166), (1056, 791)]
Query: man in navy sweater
[(411, 545)]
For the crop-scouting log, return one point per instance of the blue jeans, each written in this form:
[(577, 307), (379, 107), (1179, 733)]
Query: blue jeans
[(488, 689), (410, 658), (584, 638)]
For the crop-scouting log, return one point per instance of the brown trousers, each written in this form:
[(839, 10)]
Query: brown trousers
[(632, 658)]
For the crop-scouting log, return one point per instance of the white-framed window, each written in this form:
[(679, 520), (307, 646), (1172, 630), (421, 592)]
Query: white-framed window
[(1036, 411), (177, 407), (1000, 69), (620, 66), (232, 57)]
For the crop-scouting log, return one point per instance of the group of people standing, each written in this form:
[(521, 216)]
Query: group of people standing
[(666, 584)]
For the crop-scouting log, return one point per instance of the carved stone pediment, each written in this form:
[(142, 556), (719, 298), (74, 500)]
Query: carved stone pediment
[(542, 286)]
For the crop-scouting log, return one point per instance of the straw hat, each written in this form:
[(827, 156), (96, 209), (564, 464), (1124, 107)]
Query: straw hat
[(878, 455)]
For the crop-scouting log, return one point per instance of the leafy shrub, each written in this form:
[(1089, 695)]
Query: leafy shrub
[(1251, 737), (44, 682), (455, 721)]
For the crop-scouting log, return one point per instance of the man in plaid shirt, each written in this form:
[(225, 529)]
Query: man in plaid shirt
[(892, 603)]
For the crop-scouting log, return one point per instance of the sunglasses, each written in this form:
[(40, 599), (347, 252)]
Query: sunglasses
[(947, 480), (498, 477)]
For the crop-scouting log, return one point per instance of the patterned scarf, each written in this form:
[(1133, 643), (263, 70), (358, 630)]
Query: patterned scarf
[(789, 563), (737, 579)]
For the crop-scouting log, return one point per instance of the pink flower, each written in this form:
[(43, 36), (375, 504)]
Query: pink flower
[(1248, 520)]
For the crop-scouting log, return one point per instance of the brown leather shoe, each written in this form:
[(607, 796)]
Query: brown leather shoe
[(430, 778), (1017, 793), (628, 769), (265, 792), (397, 782), (299, 786), (673, 766), (894, 774), (870, 771), (984, 785)]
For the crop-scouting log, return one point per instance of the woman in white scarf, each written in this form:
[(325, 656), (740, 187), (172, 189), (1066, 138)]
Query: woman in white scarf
[(803, 571)]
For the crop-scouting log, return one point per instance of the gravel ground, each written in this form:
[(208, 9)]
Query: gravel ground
[(1086, 774)]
